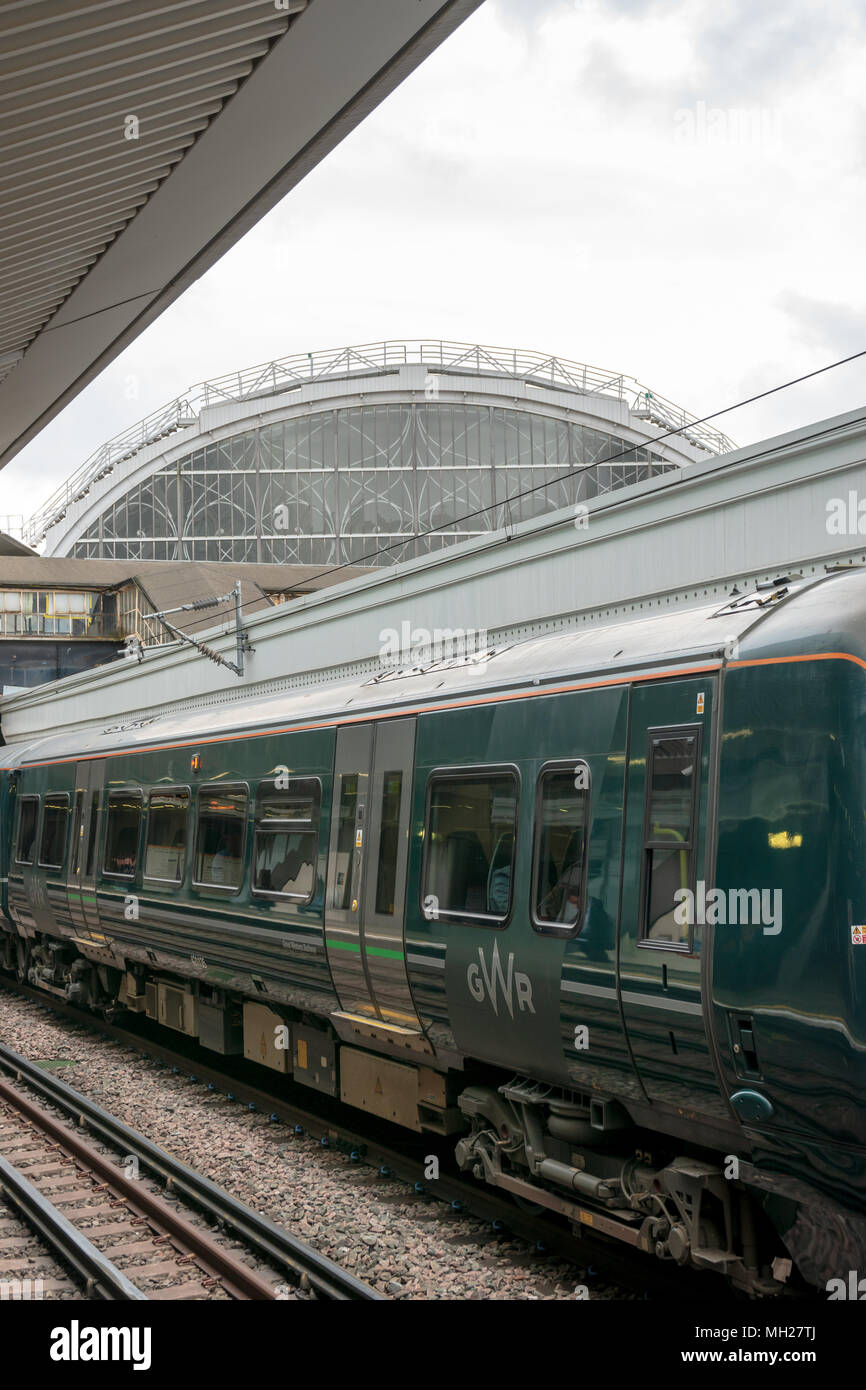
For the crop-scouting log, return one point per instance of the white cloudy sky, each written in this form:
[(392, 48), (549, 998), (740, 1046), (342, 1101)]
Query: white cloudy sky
[(570, 176)]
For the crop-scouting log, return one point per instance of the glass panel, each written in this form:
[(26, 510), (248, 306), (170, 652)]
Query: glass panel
[(470, 844), (344, 877), (121, 840), (165, 855), (673, 770), (667, 871), (389, 842), (220, 838), (76, 831), (29, 815), (561, 854), (286, 863), (287, 840), (91, 834), (298, 803), (54, 832), (669, 836)]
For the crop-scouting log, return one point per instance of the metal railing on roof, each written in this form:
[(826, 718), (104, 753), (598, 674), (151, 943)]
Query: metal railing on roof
[(370, 359)]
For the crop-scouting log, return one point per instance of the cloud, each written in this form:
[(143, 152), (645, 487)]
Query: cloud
[(837, 329)]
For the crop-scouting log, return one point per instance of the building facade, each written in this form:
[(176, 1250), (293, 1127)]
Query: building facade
[(62, 616), (366, 456)]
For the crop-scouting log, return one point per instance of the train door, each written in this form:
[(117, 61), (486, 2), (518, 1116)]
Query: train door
[(366, 889), (666, 873), (81, 873)]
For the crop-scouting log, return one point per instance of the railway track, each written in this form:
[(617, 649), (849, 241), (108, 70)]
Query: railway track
[(121, 1238), (373, 1143)]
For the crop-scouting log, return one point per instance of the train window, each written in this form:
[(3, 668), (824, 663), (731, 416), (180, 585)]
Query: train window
[(346, 866), (219, 839), (75, 843), (669, 833), (28, 815), (469, 844), (165, 849), (91, 834), (52, 846), (122, 834), (389, 842), (287, 839), (561, 833)]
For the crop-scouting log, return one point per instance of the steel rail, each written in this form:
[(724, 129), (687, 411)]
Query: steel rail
[(236, 1277), (102, 1279), (271, 1241)]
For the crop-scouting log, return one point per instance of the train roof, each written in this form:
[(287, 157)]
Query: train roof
[(770, 618)]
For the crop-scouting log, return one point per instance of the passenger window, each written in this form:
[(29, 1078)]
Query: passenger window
[(53, 844), (219, 841), (389, 843), (669, 833), (287, 840), (165, 853), (470, 838), (122, 834), (28, 816), (561, 832)]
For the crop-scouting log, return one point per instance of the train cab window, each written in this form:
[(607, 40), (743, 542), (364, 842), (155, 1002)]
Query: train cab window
[(28, 816), (220, 836), (122, 834), (561, 832), (673, 769), (469, 844), (52, 846), (287, 839), (165, 849)]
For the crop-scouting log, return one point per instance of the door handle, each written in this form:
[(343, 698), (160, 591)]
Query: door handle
[(744, 1045)]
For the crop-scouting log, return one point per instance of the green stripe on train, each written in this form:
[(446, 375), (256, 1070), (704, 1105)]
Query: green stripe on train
[(370, 950)]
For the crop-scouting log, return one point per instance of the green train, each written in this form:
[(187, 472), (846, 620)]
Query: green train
[(593, 903)]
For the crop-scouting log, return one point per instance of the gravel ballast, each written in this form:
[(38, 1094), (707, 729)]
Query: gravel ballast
[(407, 1245)]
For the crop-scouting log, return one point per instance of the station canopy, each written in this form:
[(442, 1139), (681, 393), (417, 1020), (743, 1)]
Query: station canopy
[(142, 138)]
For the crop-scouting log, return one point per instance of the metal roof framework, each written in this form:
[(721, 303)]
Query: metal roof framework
[(299, 371), (119, 120)]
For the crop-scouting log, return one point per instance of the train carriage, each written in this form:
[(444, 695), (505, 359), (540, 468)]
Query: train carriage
[(590, 902)]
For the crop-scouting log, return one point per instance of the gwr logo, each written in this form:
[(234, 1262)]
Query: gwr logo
[(484, 983)]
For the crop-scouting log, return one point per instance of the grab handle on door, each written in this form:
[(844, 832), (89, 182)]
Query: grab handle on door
[(744, 1045)]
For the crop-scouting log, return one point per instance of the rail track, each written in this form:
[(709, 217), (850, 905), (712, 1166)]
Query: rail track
[(92, 1209), (374, 1142)]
